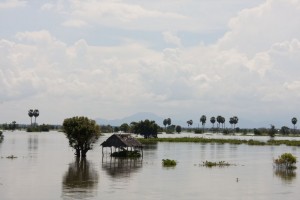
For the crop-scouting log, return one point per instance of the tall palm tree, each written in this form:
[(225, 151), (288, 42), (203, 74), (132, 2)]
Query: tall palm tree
[(203, 121), (231, 121), (213, 120), (36, 113), (219, 120), (294, 122), (30, 114), (235, 120)]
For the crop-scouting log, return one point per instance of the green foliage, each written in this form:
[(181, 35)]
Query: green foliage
[(272, 131), (285, 130), (178, 129), (41, 128), (257, 132), (286, 161), (198, 131), (82, 134), (221, 141), (126, 154), (216, 164), (124, 127), (145, 128), (168, 163), (106, 129)]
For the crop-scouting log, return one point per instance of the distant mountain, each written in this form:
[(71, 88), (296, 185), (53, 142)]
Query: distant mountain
[(133, 118)]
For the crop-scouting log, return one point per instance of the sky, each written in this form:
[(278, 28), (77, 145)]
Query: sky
[(174, 58)]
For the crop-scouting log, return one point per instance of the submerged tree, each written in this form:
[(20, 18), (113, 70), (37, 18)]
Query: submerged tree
[(82, 134)]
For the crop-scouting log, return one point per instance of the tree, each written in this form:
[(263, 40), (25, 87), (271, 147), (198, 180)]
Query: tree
[(231, 121), (213, 120), (235, 120), (294, 122), (124, 127), (178, 129), (203, 121), (219, 120), (190, 122), (30, 114), (272, 131), (82, 134), (166, 122), (36, 113), (147, 128)]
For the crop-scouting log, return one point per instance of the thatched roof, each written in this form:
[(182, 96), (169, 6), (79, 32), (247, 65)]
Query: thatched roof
[(121, 140)]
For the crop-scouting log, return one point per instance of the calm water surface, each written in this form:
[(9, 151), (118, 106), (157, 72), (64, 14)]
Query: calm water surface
[(47, 169)]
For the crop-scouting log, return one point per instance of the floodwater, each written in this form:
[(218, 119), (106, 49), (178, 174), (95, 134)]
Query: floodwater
[(45, 168)]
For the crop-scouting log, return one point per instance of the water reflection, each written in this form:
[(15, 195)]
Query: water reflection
[(33, 142), (80, 181), (120, 167), (287, 176)]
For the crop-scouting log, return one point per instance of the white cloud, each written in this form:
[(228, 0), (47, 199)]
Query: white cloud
[(171, 38), (7, 4), (253, 67)]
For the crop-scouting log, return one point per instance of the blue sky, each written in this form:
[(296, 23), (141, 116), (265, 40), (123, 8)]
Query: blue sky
[(178, 59)]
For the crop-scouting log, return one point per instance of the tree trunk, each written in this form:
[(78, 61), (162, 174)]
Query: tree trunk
[(77, 152)]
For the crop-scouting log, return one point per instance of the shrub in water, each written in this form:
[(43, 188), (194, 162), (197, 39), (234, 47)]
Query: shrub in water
[(168, 163), (285, 161)]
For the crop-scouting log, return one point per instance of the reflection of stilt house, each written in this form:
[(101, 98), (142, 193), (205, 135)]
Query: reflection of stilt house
[(122, 142)]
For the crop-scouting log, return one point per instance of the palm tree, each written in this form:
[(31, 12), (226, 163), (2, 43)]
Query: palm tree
[(213, 120), (30, 114), (203, 121), (235, 120), (36, 113), (223, 122), (219, 120), (294, 122), (165, 122), (231, 121), (190, 122)]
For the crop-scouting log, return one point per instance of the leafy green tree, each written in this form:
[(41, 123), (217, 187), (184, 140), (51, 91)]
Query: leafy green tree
[(82, 134), (124, 127), (147, 128), (165, 122), (272, 131), (294, 122), (219, 120), (30, 114), (178, 129), (203, 121), (231, 121), (284, 130)]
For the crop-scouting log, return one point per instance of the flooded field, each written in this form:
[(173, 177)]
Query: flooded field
[(45, 168)]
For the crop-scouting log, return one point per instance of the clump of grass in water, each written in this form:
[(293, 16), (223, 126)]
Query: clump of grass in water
[(11, 157), (216, 164), (169, 163)]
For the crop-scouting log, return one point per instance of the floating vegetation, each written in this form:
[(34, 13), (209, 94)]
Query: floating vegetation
[(126, 154), (168, 163), (285, 161), (11, 157), (220, 141), (216, 164)]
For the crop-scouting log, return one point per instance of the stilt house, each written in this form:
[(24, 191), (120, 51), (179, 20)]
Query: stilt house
[(122, 142)]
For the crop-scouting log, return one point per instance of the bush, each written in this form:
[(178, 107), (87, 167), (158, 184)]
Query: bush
[(126, 154), (1, 136), (214, 164), (285, 161), (169, 163), (257, 132)]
